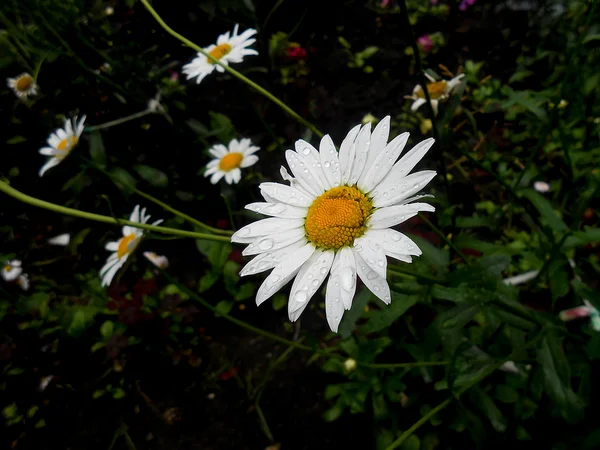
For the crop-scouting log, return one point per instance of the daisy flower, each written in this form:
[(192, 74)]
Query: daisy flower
[(23, 86), (61, 142), (11, 270), (23, 281), (125, 246), (587, 310), (335, 219), (62, 240), (541, 186), (228, 50), (438, 91), (159, 261), (229, 161)]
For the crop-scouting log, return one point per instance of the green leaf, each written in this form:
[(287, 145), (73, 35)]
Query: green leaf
[(581, 238), (412, 443), (222, 127), (118, 393), (476, 222), (208, 280), (458, 316), (332, 391), (547, 212), (123, 180), (216, 252), (436, 257), (16, 140), (506, 394), (279, 301), (224, 306), (107, 329), (586, 293), (558, 276), (383, 318), (97, 151), (488, 407), (153, 176)]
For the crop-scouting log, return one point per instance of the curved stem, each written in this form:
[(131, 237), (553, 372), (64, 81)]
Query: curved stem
[(4, 187), (233, 72), (444, 238), (112, 123)]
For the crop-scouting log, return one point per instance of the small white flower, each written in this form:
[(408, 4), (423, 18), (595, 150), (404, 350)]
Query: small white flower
[(124, 246), (109, 10), (521, 278), (228, 50), (11, 270), (229, 161), (335, 219), (23, 281), (62, 240), (541, 186), (154, 104), (350, 365), (23, 86), (438, 92), (61, 142), (160, 261)]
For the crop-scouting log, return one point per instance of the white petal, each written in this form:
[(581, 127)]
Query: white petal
[(346, 154), (278, 210), (394, 215), (268, 260), (218, 151), (379, 138), (283, 272), (108, 277), (49, 164), (383, 163), (293, 183), (236, 174), (334, 306), (371, 252), (274, 241), (217, 176), (408, 162), (47, 151), (305, 175), (329, 162), (418, 103), (361, 151), (228, 177), (310, 277), (110, 262), (135, 214), (392, 191), (392, 242), (376, 284), (286, 194), (343, 271), (312, 159), (249, 160), (265, 227), (61, 239)]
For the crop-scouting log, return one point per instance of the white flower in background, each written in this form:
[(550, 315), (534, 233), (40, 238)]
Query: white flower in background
[(154, 104), (61, 142), (438, 92), (109, 10), (335, 219), (230, 160), (521, 278), (11, 270), (23, 86), (124, 246), (228, 50), (62, 240), (541, 186), (160, 261), (23, 281)]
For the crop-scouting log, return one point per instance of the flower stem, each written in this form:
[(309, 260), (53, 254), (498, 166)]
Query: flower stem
[(112, 123), (437, 231), (4, 187), (233, 72)]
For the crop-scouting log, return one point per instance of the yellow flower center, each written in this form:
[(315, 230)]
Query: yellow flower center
[(231, 161), (219, 51), (7, 268), (66, 145), (126, 245), (337, 217), (436, 90), (24, 83)]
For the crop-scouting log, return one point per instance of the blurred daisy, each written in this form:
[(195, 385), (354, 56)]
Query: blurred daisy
[(438, 92), (229, 161), (11, 270), (124, 246), (23, 86), (62, 240), (159, 261), (23, 281), (335, 219), (541, 186), (61, 142), (228, 50)]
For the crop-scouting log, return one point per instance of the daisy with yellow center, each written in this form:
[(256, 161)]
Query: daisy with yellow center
[(61, 142), (160, 261), (228, 162), (335, 219), (11, 270), (229, 49), (438, 91), (23, 86), (125, 246)]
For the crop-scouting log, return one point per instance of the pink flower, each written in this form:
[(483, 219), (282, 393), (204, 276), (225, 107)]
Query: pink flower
[(465, 4), (425, 43), (296, 52), (384, 3)]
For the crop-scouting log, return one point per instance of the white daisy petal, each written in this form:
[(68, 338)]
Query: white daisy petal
[(249, 160), (418, 103), (346, 155), (278, 210), (394, 215), (265, 227), (110, 274), (344, 268), (372, 253), (393, 242), (303, 173), (285, 194), (334, 307), (47, 151), (216, 177), (274, 242), (52, 162), (61, 239), (361, 150), (266, 261), (218, 151), (112, 246), (285, 270), (330, 162), (372, 280), (391, 191), (383, 163), (311, 158), (308, 280), (408, 162)]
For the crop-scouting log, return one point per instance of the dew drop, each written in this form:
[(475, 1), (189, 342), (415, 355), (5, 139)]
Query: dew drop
[(396, 237), (300, 296), (327, 164), (385, 194), (371, 275), (337, 300), (377, 288), (380, 262), (244, 232), (309, 276), (306, 151), (275, 278), (315, 283), (347, 278), (266, 244), (323, 271)]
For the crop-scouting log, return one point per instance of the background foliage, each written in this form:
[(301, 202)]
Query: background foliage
[(159, 359)]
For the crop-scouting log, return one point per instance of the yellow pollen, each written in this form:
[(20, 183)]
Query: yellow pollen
[(436, 90), (7, 268), (125, 244), (219, 51), (24, 83), (337, 217), (66, 145), (231, 161)]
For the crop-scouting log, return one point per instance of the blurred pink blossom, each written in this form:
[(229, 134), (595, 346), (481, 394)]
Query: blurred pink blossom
[(425, 43), (465, 4), (384, 3)]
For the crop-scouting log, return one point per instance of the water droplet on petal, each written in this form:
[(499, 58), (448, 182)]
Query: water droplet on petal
[(305, 151), (300, 296), (327, 164), (315, 283), (396, 237), (309, 276), (266, 244), (244, 232), (275, 278), (323, 271), (371, 275), (348, 278), (380, 262)]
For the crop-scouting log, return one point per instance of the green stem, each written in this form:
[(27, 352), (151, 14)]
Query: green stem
[(287, 342), (437, 231), (409, 273), (38, 66), (4, 187), (233, 72), (112, 123)]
